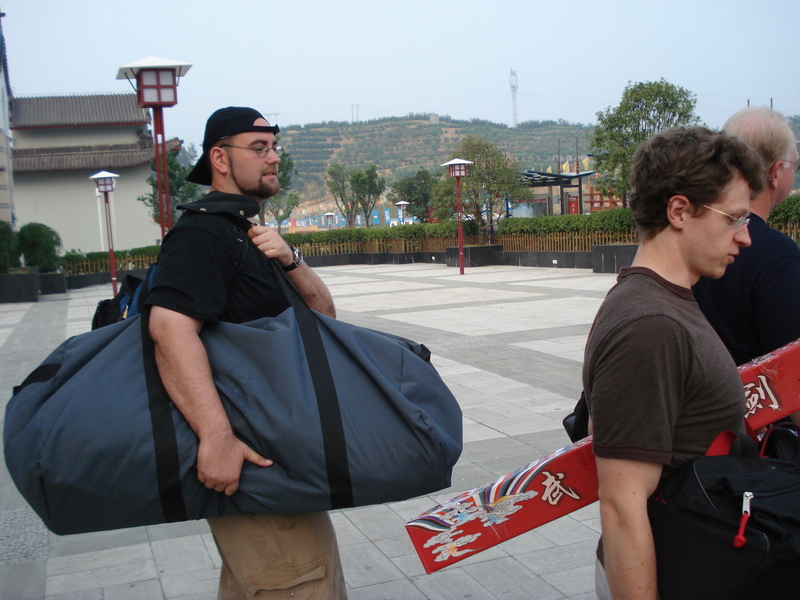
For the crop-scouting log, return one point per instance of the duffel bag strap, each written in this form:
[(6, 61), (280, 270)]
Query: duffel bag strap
[(164, 437), (330, 415)]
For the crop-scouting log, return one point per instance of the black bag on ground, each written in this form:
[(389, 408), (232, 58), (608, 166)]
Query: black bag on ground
[(697, 512), (350, 417)]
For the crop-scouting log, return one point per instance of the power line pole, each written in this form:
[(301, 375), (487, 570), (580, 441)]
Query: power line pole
[(514, 83)]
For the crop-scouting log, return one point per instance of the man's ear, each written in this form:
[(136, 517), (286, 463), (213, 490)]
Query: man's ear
[(679, 209), (219, 160), (772, 174)]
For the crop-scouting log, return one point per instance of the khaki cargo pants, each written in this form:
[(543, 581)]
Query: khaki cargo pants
[(266, 557)]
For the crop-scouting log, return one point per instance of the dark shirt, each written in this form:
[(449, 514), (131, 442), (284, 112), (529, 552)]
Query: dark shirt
[(198, 269), (755, 306), (658, 382)]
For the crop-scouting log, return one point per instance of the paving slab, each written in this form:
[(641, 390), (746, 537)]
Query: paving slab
[(508, 341)]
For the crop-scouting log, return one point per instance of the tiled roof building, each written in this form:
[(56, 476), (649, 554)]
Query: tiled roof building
[(59, 141), (39, 149)]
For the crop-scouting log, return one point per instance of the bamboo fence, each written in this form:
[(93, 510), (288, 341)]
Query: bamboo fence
[(546, 242)]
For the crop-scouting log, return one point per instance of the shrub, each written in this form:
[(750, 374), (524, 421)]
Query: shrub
[(618, 220), (787, 211), (39, 245), (8, 257)]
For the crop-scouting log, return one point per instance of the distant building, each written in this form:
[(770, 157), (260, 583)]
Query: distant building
[(6, 174), (59, 141)]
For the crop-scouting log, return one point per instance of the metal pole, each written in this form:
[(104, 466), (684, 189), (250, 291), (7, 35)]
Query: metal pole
[(112, 261), (156, 153), (162, 174), (460, 227)]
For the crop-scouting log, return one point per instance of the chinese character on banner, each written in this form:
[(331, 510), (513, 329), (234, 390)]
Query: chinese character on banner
[(387, 216)]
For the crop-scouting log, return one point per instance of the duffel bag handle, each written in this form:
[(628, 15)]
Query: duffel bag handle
[(330, 415)]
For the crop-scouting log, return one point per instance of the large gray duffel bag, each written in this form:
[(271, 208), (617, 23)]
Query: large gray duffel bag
[(349, 416)]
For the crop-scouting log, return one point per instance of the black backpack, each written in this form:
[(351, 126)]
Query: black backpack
[(707, 548)]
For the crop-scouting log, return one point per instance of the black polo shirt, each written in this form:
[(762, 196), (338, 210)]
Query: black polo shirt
[(198, 269)]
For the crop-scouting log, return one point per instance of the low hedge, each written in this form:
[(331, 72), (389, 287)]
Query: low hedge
[(617, 220), (364, 234), (74, 256)]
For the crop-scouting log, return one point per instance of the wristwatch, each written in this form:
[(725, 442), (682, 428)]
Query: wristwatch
[(298, 258)]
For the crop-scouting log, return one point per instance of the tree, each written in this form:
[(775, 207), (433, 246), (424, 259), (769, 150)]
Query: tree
[(179, 165), (367, 189), (489, 182), (417, 190), (39, 245), (645, 109), (8, 245), (281, 205), (337, 179)]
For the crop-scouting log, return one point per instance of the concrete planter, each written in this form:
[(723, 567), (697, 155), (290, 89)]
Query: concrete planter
[(611, 258), (474, 256), (52, 283), (20, 287)]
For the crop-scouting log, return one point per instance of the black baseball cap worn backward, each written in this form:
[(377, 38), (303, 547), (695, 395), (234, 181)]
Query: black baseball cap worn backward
[(225, 123)]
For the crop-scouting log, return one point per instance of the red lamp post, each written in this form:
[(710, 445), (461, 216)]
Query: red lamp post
[(105, 185), (458, 169), (156, 87)]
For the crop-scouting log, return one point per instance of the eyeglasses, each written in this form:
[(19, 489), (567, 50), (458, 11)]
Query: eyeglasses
[(261, 151), (796, 164), (735, 222)]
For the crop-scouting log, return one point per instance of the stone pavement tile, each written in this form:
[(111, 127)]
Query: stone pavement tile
[(376, 522), (166, 531), (89, 561), (567, 530), (393, 590), (522, 425), (573, 582), (95, 594), (396, 546), (474, 432), (452, 584), (347, 533), (23, 538), (199, 596), (181, 555), (506, 578), (409, 564), (101, 577), (191, 585), (66, 545), (410, 509), (559, 558), (141, 590), (364, 564), (530, 541), (213, 551), (23, 581), (466, 476)]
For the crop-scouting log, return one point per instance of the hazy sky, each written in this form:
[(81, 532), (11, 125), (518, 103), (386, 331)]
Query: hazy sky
[(314, 60)]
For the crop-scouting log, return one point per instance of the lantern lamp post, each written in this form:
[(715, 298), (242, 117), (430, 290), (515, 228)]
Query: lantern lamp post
[(105, 185), (401, 207), (458, 169), (156, 85)]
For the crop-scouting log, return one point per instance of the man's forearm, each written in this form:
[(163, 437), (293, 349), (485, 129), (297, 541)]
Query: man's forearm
[(186, 374), (629, 557), (313, 290)]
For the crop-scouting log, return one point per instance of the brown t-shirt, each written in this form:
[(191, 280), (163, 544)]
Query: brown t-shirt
[(659, 383)]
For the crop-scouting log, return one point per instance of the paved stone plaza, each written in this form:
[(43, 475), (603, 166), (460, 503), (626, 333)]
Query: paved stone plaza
[(509, 343)]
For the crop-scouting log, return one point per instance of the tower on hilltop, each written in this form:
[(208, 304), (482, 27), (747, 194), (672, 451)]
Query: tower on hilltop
[(514, 83)]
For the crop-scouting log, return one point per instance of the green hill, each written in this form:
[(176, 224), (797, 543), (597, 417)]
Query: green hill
[(398, 146)]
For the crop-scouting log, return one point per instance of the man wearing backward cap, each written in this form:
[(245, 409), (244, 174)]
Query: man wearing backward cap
[(199, 281)]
